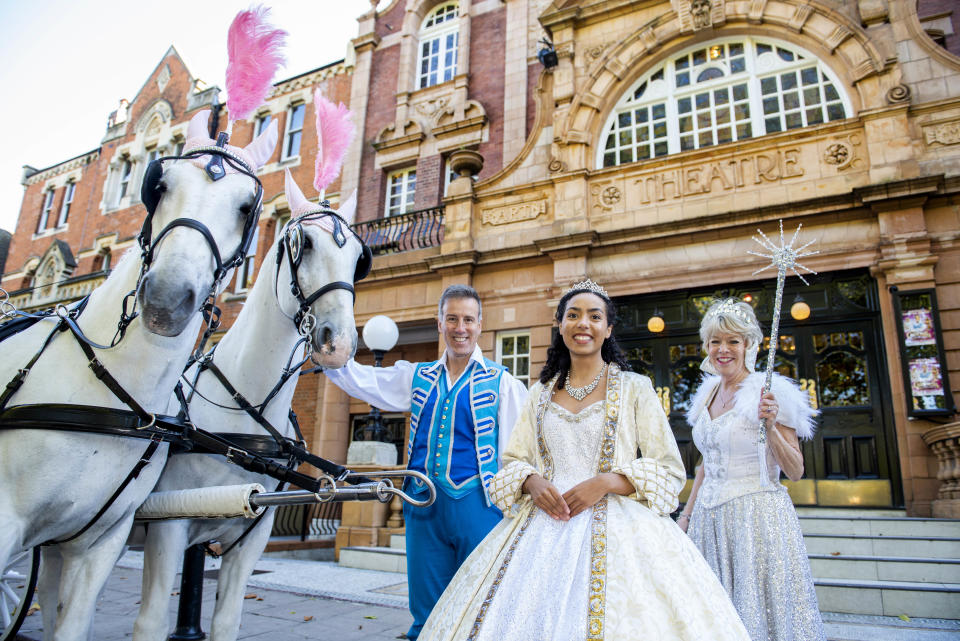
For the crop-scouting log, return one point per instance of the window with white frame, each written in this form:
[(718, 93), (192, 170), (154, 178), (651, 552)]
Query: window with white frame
[(513, 352), (291, 140), (401, 187), (45, 210), (152, 154), (67, 201), (727, 90), (261, 124), (246, 272), (178, 147), (125, 170), (439, 36)]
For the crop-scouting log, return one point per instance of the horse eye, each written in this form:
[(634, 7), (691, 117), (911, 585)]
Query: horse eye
[(307, 243), (246, 208)]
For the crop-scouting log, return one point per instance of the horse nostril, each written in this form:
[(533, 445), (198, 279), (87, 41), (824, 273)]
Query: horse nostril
[(327, 335)]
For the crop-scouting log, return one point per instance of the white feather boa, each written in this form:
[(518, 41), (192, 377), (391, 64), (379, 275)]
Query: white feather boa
[(795, 410)]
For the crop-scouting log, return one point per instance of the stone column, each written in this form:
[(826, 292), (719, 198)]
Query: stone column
[(944, 441)]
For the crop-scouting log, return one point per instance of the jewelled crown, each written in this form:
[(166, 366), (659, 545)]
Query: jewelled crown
[(730, 307), (588, 285)]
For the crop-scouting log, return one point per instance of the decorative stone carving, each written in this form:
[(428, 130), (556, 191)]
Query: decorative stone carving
[(514, 213), (898, 94), (842, 152), (695, 15), (160, 110), (700, 13), (944, 441), (391, 136), (465, 162), (458, 125), (595, 52), (430, 108), (555, 165), (837, 154), (601, 200), (945, 133), (611, 196)]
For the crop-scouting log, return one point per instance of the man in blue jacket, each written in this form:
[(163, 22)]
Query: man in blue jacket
[(462, 409)]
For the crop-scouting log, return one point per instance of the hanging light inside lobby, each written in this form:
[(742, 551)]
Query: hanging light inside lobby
[(656, 324), (799, 310)]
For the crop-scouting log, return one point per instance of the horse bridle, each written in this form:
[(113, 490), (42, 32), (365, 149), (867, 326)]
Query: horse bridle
[(151, 193), (291, 245)]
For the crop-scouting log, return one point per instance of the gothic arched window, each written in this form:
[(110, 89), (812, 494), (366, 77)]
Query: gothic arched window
[(727, 90), (439, 36)]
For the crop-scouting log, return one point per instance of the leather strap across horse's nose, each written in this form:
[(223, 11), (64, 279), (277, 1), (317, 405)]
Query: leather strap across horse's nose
[(193, 224)]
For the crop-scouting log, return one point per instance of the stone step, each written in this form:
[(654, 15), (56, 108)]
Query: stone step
[(880, 526), (885, 568), (846, 512), (398, 541), (860, 627), (888, 598), (374, 558), (869, 545)]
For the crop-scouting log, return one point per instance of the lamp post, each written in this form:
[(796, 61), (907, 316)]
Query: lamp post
[(380, 334)]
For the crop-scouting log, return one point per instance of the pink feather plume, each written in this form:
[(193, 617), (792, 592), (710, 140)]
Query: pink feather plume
[(334, 132), (255, 53)]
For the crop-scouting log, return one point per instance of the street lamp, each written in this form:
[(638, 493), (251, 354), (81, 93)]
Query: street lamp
[(380, 334)]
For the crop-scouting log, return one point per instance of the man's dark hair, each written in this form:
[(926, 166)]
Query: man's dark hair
[(459, 291)]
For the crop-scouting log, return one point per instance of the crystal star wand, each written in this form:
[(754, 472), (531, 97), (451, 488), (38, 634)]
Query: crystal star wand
[(783, 258)]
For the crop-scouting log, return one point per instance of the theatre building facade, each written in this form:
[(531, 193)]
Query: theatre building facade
[(641, 144)]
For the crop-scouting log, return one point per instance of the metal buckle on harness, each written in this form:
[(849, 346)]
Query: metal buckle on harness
[(235, 451), (153, 421)]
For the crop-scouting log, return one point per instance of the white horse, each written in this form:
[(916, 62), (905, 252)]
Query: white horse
[(54, 482), (253, 355)]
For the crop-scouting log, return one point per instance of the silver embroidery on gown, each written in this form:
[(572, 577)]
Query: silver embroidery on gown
[(749, 534)]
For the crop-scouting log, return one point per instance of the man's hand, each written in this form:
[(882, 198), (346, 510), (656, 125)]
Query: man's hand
[(546, 497)]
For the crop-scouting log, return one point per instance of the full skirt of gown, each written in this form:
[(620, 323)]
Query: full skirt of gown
[(531, 577)]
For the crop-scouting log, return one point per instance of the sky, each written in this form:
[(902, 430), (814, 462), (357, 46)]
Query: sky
[(67, 63)]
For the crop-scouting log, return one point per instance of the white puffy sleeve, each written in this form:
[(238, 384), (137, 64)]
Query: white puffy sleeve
[(658, 475), (520, 458)]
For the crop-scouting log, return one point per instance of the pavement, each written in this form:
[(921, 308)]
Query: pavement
[(297, 600)]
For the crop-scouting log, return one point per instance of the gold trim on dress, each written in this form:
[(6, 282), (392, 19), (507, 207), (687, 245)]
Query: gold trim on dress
[(596, 601)]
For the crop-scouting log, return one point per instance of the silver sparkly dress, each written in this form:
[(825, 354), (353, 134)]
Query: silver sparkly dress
[(622, 571), (747, 529)]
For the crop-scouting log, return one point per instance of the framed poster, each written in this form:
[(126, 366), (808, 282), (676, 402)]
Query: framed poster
[(921, 353)]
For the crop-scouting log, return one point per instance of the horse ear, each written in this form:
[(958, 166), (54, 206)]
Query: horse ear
[(295, 199), (198, 125), (348, 208), (263, 145)]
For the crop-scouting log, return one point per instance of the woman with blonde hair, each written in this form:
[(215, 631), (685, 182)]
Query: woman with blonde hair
[(587, 549), (739, 515)]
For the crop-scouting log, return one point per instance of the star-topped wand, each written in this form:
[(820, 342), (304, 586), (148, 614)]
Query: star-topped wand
[(783, 258)]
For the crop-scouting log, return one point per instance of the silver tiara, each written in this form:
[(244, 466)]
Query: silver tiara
[(588, 285), (729, 307)]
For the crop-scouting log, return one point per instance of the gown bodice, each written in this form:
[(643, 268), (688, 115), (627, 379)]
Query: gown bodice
[(574, 443), (731, 462)]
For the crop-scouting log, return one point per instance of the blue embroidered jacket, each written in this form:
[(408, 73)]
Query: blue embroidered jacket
[(453, 432)]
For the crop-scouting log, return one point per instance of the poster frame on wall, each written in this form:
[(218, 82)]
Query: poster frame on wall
[(919, 327)]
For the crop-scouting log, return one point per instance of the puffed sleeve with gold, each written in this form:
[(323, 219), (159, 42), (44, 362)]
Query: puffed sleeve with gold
[(520, 459), (658, 474)]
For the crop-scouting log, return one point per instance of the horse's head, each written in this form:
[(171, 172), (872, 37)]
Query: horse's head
[(202, 211), (320, 258)]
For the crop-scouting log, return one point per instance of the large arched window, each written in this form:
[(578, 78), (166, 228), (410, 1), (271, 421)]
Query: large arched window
[(439, 37), (728, 90)]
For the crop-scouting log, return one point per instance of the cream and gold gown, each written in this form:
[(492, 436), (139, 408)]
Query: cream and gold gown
[(620, 571)]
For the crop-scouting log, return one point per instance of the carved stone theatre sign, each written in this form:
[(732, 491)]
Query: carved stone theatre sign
[(730, 173), (514, 213)]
